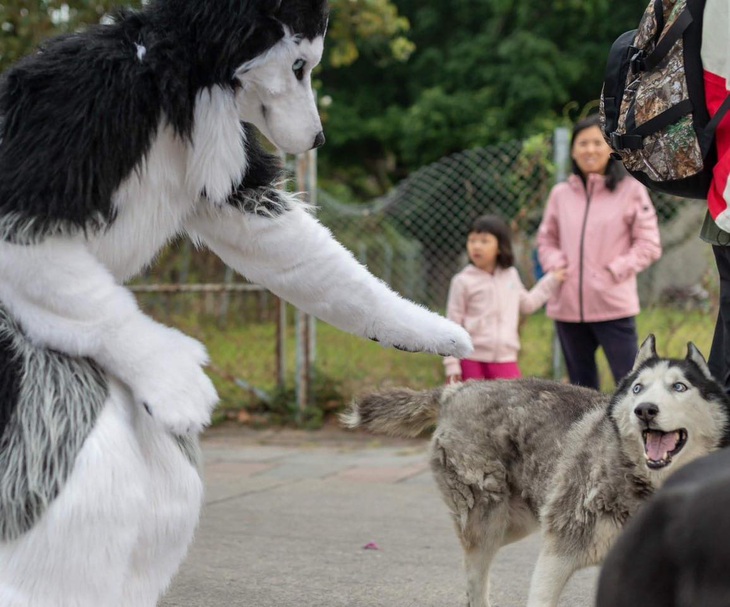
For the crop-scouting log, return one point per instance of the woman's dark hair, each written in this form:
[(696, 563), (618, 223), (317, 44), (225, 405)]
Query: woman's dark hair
[(615, 171), (496, 226)]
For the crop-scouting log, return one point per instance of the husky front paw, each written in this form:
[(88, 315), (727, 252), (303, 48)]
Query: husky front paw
[(174, 389)]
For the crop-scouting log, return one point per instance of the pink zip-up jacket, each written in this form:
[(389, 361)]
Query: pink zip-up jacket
[(604, 239), (488, 306)]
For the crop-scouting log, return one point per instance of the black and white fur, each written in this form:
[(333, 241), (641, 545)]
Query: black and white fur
[(514, 457), (113, 142)]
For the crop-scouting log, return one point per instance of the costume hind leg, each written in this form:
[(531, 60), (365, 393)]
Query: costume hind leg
[(102, 541), (174, 497)]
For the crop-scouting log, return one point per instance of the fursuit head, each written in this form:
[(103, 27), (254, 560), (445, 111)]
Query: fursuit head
[(114, 141), (512, 457)]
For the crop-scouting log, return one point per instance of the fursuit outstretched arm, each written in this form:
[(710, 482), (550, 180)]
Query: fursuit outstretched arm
[(64, 299), (297, 258)]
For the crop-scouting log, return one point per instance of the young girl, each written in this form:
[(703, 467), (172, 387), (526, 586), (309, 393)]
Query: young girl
[(487, 298)]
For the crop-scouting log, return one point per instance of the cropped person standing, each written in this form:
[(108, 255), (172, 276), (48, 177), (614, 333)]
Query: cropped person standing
[(487, 298), (716, 228), (601, 227)]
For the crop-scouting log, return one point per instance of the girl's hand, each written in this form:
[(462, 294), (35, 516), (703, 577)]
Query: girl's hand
[(560, 274), (453, 379)]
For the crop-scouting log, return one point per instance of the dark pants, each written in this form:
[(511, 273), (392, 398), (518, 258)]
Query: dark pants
[(719, 361), (580, 340)]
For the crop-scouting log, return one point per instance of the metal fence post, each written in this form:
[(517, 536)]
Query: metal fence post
[(305, 327), (280, 343), (561, 154)]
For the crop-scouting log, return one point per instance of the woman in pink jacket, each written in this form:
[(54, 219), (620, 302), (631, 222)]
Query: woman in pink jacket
[(601, 227), (487, 298)]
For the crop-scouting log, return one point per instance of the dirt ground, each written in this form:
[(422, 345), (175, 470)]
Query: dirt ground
[(330, 435)]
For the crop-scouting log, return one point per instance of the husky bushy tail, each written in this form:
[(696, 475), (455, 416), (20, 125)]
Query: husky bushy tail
[(400, 412)]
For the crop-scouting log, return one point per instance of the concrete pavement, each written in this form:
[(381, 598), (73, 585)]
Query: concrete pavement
[(288, 515)]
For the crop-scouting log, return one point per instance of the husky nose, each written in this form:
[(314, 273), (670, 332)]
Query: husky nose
[(646, 411), (319, 140)]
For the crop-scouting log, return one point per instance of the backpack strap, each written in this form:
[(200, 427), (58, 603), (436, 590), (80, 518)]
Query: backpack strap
[(641, 62), (708, 135), (634, 139), (659, 16), (615, 78)]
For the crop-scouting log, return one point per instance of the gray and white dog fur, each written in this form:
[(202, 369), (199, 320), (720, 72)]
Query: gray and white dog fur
[(511, 457)]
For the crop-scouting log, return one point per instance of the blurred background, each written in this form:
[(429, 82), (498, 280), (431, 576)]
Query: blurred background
[(435, 111)]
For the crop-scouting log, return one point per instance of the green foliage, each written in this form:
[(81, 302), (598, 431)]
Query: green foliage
[(24, 24), (481, 73), (325, 400), (370, 27)]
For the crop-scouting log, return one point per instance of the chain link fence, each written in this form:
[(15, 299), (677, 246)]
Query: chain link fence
[(414, 239)]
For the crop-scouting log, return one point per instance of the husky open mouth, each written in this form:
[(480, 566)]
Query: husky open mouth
[(660, 447)]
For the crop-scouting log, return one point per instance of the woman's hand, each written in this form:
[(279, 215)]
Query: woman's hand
[(453, 379), (560, 274)]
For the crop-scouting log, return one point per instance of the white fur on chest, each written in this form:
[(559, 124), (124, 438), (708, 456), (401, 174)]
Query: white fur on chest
[(154, 201), (216, 161)]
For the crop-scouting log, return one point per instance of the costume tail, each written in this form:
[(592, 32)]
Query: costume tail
[(401, 412)]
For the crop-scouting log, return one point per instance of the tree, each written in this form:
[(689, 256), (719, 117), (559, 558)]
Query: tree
[(354, 24), (373, 26), (482, 72), (24, 24)]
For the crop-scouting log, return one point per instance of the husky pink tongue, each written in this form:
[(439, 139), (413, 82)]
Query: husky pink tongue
[(658, 443)]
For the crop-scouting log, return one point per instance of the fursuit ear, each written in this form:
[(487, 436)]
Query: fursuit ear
[(646, 351), (270, 7), (320, 6), (323, 8), (694, 355)]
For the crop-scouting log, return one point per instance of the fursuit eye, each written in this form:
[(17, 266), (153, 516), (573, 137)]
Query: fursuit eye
[(637, 388), (298, 68), (679, 387)]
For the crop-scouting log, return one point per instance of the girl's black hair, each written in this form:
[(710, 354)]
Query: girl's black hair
[(615, 171), (496, 226)]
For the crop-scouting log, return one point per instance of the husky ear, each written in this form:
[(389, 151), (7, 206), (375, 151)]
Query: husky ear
[(646, 351), (696, 357)]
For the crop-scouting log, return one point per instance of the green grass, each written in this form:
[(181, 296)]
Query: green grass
[(672, 329), (347, 366)]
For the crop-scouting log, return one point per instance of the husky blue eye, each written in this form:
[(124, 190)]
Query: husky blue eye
[(298, 68), (679, 387), (637, 388)]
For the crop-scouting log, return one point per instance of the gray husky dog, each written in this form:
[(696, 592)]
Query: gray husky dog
[(511, 457)]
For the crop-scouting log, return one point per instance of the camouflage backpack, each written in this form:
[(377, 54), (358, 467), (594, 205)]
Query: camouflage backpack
[(653, 112)]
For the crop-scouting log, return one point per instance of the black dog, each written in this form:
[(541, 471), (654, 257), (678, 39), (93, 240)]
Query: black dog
[(676, 552)]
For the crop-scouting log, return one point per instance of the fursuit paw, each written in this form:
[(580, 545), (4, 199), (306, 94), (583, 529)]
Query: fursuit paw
[(421, 330), (174, 389)]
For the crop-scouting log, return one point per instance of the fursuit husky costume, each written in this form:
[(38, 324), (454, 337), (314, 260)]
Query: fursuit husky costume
[(512, 457), (114, 141)]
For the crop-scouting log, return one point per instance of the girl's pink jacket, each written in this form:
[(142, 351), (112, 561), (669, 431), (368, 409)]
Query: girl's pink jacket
[(488, 306), (604, 239)]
